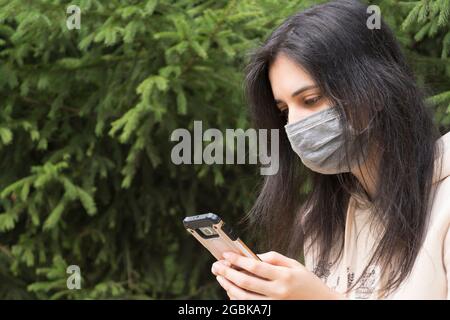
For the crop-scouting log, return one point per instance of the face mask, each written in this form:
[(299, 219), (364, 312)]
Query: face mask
[(319, 142)]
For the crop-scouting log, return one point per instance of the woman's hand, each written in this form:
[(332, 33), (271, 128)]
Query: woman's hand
[(276, 277)]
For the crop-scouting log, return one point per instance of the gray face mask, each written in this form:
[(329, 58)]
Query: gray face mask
[(319, 142)]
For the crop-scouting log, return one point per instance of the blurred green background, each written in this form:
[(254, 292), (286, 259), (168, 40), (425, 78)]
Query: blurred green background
[(85, 121)]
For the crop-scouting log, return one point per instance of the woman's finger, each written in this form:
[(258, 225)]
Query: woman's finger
[(261, 269), (235, 292), (243, 280), (275, 258)]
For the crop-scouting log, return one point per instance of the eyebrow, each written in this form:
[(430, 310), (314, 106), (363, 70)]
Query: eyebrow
[(297, 92)]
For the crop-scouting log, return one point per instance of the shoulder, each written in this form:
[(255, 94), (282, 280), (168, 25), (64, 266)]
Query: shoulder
[(439, 219), (440, 208)]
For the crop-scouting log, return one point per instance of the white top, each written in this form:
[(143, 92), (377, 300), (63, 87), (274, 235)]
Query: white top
[(430, 276)]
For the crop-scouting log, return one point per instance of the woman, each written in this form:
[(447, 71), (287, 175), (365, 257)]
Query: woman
[(376, 221)]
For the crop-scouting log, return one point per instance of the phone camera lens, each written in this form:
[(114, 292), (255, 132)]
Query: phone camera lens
[(207, 231)]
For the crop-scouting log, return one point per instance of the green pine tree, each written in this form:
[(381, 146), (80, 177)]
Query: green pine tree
[(85, 119)]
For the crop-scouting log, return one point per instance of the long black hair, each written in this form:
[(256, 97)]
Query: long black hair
[(363, 72)]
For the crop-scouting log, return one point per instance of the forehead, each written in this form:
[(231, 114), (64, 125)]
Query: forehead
[(287, 76)]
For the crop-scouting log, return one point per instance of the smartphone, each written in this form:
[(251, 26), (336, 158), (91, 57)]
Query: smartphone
[(216, 236)]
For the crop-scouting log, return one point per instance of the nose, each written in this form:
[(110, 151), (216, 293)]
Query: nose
[(296, 113)]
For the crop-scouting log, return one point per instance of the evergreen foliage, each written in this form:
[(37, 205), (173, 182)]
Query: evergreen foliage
[(85, 121)]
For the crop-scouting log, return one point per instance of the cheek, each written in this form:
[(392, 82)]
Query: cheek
[(297, 112), (294, 115)]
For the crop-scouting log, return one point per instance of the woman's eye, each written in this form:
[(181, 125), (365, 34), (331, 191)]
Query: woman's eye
[(312, 101)]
